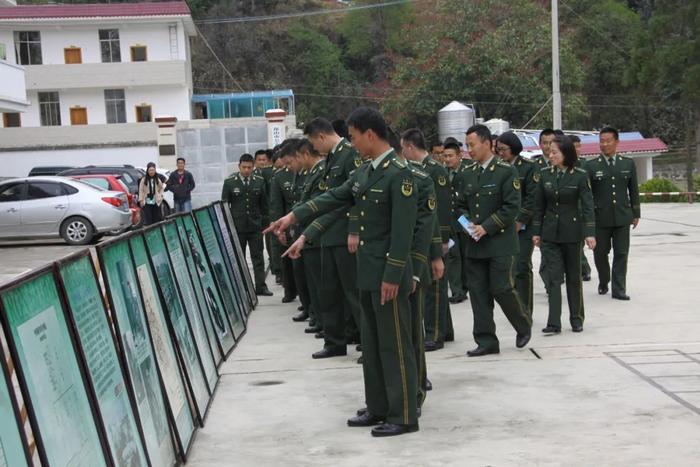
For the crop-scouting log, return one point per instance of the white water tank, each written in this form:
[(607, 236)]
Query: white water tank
[(497, 126), (454, 120)]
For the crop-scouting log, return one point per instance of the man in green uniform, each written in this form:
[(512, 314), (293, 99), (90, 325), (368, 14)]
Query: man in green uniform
[(437, 307), (245, 195), (585, 267), (616, 197), (508, 148), (384, 197), (452, 155), (281, 202), (338, 290), (264, 168), (489, 196)]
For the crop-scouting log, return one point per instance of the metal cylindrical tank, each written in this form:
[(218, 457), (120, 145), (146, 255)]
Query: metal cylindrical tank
[(454, 120)]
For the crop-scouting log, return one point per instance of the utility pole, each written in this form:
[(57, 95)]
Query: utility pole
[(556, 93)]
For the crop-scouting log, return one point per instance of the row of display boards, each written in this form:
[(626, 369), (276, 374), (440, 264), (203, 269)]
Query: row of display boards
[(117, 365)]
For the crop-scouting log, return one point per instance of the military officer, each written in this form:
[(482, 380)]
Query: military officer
[(452, 154), (489, 196), (281, 202), (437, 307), (563, 219), (338, 296), (616, 198), (585, 267), (265, 169), (245, 195), (384, 197), (508, 147)]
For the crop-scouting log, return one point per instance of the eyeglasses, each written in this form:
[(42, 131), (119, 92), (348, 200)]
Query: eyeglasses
[(502, 149)]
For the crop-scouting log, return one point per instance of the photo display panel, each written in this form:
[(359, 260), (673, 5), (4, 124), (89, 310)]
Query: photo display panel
[(132, 333), (242, 261), (88, 315), (13, 444), (229, 254), (49, 372), (179, 320), (217, 313), (173, 380), (216, 260)]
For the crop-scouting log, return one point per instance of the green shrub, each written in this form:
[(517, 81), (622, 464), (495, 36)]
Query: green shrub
[(662, 185)]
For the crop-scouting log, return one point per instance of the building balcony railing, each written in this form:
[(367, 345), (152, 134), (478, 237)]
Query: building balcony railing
[(108, 75), (13, 95)]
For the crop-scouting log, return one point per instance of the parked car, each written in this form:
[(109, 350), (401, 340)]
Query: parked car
[(46, 207), (114, 183), (49, 170), (130, 175)]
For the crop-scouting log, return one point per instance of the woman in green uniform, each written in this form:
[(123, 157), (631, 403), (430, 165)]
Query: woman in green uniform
[(563, 218)]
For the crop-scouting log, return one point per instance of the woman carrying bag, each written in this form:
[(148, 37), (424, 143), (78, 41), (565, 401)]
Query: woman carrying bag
[(151, 195), (563, 218)]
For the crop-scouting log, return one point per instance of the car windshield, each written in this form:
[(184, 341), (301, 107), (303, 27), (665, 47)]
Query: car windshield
[(123, 185), (84, 184)]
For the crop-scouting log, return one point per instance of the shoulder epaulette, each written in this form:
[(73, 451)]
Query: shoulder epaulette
[(525, 159), (579, 169), (416, 171), (259, 177), (399, 163), (503, 164), (432, 162), (545, 168)]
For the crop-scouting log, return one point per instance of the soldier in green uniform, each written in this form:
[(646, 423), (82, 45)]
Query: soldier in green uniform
[(281, 202), (265, 169), (452, 155), (616, 197), (580, 161), (383, 195), (245, 195), (563, 219), (436, 306), (546, 137), (338, 296), (508, 147), (489, 196)]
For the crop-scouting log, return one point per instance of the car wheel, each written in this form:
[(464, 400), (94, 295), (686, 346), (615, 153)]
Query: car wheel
[(77, 231)]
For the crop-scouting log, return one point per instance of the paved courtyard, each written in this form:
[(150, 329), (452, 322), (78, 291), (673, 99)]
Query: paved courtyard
[(624, 392)]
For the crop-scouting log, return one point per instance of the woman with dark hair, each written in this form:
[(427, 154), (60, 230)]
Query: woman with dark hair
[(563, 218), (151, 195)]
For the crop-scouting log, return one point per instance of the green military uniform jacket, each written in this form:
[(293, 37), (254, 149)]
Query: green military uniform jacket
[(248, 204), (281, 193), (454, 186), (385, 200), (564, 206), (615, 191), (313, 186), (528, 174), (298, 191), (266, 173), (541, 161), (443, 195), (491, 198), (426, 228), (340, 163)]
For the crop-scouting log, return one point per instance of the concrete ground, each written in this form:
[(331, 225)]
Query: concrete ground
[(624, 392)]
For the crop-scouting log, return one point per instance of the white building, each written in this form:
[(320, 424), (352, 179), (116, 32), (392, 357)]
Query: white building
[(13, 95), (97, 75)]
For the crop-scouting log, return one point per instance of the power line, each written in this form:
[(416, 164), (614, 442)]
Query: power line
[(228, 72), (301, 14)]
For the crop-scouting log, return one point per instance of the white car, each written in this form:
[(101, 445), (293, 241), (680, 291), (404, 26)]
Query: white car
[(46, 207)]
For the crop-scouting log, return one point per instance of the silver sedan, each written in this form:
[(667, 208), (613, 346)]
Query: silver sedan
[(45, 207)]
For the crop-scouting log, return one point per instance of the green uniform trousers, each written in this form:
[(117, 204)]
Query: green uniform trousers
[(272, 261), (619, 239), (417, 301), (312, 268), (437, 311), (453, 268), (300, 282), (336, 287), (523, 271), (564, 259), (255, 241), (585, 267), (288, 283), (489, 279), (389, 360)]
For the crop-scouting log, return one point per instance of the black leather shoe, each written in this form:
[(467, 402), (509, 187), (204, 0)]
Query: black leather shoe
[(428, 385), (459, 298), (620, 296), (433, 345), (390, 429), (366, 419), (481, 351), (577, 328), (301, 316), (358, 347), (313, 329), (320, 335), (602, 289), (288, 299), (586, 278), (360, 360), (449, 337), (264, 291), (301, 308), (328, 352), (362, 411), (521, 340), (551, 330)]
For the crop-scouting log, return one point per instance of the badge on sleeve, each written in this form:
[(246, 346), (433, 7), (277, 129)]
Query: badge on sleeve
[(442, 181), (322, 185), (536, 177), (431, 204), (407, 188), (358, 162), (516, 184)]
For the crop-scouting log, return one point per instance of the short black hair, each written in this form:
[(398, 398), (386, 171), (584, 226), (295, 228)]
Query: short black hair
[(260, 151), (415, 137), (245, 158), (559, 133), (609, 129), (393, 139), (575, 138), (566, 146), (436, 143), (269, 153), (341, 128), (451, 141), (364, 118), (511, 140), (287, 147), (482, 131), (304, 145), (546, 132), (452, 145), (317, 126), (181, 159)]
